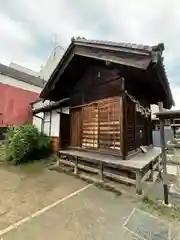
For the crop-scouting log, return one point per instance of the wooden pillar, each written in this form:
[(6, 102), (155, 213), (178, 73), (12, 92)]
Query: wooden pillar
[(164, 157), (50, 123), (159, 167), (152, 172), (42, 123), (101, 171), (124, 119), (138, 182), (76, 166), (135, 123), (174, 131), (60, 140)]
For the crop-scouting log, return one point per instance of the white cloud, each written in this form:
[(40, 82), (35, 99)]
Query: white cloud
[(14, 42), (29, 25), (13, 30)]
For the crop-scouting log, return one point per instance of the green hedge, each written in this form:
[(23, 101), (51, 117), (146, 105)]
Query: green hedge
[(26, 143)]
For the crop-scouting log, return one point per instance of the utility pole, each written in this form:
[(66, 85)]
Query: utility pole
[(164, 157)]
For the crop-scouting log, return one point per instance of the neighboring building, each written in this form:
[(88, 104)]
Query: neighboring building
[(41, 117), (48, 116), (47, 69), (23, 69), (51, 63), (111, 87), (17, 91), (154, 109)]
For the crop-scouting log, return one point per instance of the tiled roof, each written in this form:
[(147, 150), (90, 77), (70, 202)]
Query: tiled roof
[(133, 46), (21, 76)]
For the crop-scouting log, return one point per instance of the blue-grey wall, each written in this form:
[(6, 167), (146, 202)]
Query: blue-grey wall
[(156, 136)]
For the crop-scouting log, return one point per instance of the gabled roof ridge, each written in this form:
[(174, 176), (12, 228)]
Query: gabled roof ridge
[(159, 47)]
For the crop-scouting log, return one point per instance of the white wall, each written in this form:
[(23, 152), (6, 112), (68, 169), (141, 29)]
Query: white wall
[(19, 84), (55, 122), (155, 109), (47, 120), (37, 121), (51, 63), (65, 110)]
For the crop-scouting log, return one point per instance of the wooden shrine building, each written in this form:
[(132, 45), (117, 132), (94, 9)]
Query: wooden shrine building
[(110, 86)]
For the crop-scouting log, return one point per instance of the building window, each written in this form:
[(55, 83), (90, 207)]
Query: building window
[(47, 123)]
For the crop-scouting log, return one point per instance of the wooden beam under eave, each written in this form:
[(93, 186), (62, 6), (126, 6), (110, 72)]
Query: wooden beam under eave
[(126, 59)]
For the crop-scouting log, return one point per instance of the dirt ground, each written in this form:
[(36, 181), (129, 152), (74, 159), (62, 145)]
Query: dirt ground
[(36, 203)]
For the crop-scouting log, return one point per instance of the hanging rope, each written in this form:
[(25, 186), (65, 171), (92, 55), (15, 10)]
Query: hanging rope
[(139, 107)]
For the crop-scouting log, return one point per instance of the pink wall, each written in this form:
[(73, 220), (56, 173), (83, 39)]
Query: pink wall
[(14, 105)]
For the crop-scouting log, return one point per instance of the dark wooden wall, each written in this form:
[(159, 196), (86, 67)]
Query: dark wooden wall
[(97, 83), (95, 110), (131, 125), (64, 134), (75, 127), (97, 116), (139, 127)]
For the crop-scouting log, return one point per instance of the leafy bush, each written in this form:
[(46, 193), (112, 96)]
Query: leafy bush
[(43, 148), (26, 143), (2, 153)]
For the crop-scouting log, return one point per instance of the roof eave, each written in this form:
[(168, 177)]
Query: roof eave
[(52, 80)]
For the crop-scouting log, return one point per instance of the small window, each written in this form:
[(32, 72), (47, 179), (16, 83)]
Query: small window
[(47, 123), (47, 117)]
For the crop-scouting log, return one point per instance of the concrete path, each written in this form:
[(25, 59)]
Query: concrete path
[(40, 204), (89, 213), (50, 205)]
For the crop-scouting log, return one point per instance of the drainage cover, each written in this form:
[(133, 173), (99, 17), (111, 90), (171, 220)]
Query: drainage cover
[(147, 227)]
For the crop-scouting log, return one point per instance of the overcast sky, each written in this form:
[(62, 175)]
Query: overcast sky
[(27, 28)]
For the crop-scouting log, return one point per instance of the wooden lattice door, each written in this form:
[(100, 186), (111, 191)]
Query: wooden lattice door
[(109, 124), (90, 126)]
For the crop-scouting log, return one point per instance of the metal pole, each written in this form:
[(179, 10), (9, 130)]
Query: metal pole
[(164, 158)]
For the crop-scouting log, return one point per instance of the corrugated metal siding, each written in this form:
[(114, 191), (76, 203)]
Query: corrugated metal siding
[(15, 105)]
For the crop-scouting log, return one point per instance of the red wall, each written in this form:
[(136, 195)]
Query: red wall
[(14, 105)]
